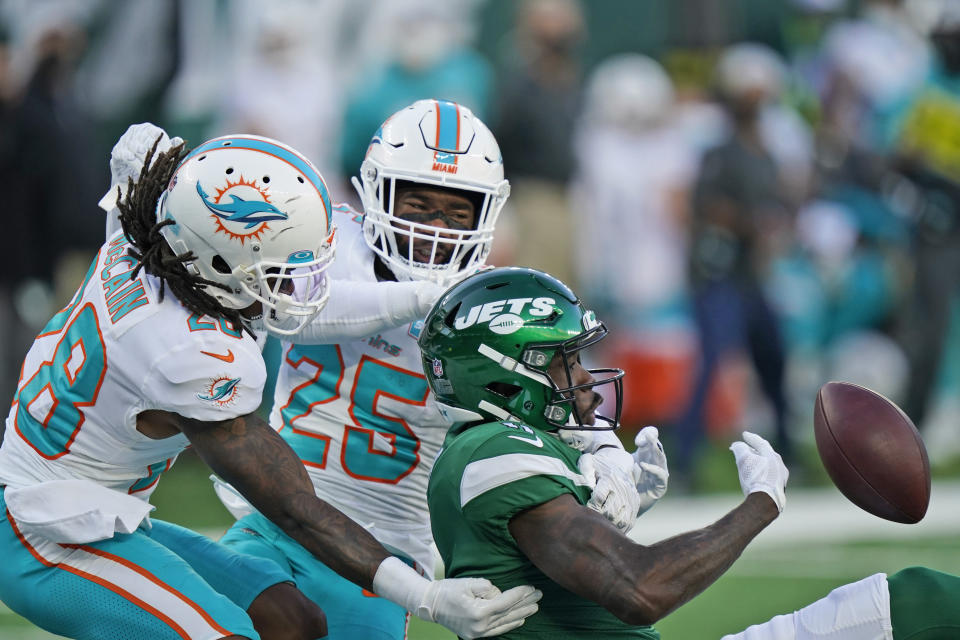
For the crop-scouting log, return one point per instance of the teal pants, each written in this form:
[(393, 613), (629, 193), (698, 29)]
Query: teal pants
[(163, 582), (352, 613)]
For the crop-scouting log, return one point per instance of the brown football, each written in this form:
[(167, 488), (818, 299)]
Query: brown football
[(872, 451)]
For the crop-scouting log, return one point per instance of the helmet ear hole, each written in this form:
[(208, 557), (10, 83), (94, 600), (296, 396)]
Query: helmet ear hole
[(504, 389), (449, 318), (220, 264)]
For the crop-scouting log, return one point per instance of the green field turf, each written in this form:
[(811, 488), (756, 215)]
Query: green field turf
[(766, 581)]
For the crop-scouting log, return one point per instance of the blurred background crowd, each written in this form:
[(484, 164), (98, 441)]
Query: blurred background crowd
[(757, 196)]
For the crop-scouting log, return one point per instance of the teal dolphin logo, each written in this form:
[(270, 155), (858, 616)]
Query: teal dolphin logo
[(221, 390), (248, 212)]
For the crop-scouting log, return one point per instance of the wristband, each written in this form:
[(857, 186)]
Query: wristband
[(401, 584)]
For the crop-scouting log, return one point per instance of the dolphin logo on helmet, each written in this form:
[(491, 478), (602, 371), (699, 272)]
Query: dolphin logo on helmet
[(248, 212)]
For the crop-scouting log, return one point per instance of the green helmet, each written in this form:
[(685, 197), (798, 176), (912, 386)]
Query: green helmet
[(488, 342)]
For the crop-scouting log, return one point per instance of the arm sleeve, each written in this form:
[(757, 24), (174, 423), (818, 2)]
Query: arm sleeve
[(359, 309)]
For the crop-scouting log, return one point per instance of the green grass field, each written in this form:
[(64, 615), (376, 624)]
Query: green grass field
[(764, 582)]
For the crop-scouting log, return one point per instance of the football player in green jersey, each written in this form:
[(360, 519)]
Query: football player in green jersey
[(502, 352)]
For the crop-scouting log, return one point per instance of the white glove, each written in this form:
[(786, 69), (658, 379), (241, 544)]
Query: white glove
[(425, 293), (126, 159), (470, 607), (615, 493), (760, 468), (652, 460)]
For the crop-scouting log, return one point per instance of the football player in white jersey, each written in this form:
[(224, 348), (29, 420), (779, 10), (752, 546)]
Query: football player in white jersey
[(154, 354), (359, 413)]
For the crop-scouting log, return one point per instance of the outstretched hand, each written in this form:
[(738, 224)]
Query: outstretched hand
[(652, 460), (126, 158), (760, 468)]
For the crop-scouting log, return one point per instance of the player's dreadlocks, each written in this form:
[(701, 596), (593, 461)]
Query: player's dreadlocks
[(139, 221)]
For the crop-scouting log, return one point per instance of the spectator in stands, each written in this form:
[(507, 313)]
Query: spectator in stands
[(538, 102), (926, 144), (739, 218), (630, 196), (429, 55), (53, 176)]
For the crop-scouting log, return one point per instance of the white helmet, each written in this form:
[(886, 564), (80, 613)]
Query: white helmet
[(629, 91), (250, 208), (436, 143), (749, 67)]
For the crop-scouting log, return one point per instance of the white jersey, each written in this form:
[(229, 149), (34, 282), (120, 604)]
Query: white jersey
[(115, 351), (361, 417)]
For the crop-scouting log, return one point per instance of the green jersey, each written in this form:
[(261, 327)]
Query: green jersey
[(483, 477)]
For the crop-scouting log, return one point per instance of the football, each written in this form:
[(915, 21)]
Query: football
[(872, 452)]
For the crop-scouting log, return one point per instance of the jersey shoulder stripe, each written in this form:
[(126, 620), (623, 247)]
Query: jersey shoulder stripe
[(496, 454), (484, 475)]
